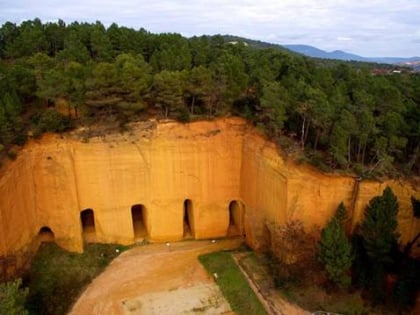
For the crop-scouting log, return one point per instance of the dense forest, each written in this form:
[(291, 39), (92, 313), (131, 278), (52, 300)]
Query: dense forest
[(341, 115)]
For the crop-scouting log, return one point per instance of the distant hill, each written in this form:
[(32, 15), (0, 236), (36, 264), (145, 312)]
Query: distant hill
[(311, 51)]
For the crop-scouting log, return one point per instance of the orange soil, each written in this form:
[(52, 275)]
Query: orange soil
[(145, 270)]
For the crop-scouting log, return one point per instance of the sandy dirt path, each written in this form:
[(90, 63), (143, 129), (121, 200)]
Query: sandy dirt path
[(153, 273)]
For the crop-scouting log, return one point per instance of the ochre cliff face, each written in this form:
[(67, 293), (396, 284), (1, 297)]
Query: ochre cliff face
[(275, 190), (203, 179), (408, 225), (158, 166)]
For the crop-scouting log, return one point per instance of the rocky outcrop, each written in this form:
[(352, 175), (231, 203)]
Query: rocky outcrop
[(168, 181)]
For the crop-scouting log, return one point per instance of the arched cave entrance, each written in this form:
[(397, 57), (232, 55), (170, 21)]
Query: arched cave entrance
[(46, 235), (236, 213), (138, 214), (87, 218), (188, 219)]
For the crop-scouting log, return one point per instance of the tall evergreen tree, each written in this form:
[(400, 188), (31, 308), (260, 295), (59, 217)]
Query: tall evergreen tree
[(379, 240), (335, 250), (198, 87), (273, 103), (168, 87), (379, 227)]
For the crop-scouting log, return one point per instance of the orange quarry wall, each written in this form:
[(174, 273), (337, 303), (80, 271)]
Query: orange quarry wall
[(160, 165)]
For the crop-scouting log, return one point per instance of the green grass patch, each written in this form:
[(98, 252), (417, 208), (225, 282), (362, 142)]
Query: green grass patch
[(58, 277), (232, 283)]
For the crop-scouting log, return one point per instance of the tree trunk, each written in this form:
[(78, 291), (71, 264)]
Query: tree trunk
[(192, 104), (307, 131), (414, 157), (302, 136), (330, 131), (364, 153), (359, 151), (317, 136), (349, 151)]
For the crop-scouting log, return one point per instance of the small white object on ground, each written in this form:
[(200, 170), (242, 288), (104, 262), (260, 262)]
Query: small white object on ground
[(213, 241), (215, 276), (117, 250)]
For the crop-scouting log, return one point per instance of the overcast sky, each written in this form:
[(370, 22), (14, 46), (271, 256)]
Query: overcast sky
[(369, 28)]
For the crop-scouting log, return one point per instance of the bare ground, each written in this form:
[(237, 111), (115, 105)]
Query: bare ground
[(157, 279), (168, 279)]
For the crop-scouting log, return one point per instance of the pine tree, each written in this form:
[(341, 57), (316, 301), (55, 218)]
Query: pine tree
[(379, 227), (168, 89), (379, 240), (334, 249)]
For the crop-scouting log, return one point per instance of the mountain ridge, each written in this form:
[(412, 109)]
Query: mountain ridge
[(315, 52)]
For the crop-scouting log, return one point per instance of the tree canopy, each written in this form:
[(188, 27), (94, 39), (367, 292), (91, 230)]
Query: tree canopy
[(342, 111)]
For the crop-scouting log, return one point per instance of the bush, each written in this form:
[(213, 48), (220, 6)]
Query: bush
[(293, 254), (408, 283), (183, 115), (12, 155), (50, 120), (12, 298), (57, 277)]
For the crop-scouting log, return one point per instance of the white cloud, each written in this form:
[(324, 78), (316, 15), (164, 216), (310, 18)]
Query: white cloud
[(344, 38), (325, 23)]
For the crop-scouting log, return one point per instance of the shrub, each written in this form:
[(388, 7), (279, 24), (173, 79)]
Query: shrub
[(183, 115), (12, 155), (12, 298), (293, 253), (57, 277), (50, 120)]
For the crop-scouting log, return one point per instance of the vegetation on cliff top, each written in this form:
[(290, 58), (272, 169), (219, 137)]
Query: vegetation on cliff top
[(342, 115)]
